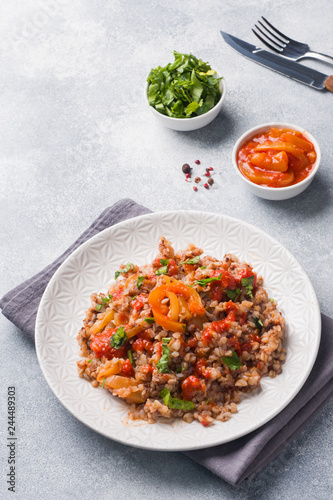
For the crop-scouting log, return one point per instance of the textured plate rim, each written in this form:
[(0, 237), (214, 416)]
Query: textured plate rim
[(240, 434)]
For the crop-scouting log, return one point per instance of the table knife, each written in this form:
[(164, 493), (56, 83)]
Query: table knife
[(292, 69)]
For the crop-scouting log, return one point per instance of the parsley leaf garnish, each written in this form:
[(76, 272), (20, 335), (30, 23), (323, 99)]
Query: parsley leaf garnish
[(130, 357), (128, 266), (191, 262), (150, 320), (103, 383), (257, 322), (248, 284), (204, 281), (162, 365), (233, 294), (203, 267), (119, 338), (164, 268), (233, 361), (139, 281), (174, 403)]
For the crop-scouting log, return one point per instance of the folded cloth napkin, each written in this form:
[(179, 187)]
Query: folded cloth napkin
[(235, 461)]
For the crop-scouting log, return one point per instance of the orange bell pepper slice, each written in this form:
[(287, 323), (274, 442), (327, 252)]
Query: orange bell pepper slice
[(172, 290), (275, 179), (288, 147), (276, 163)]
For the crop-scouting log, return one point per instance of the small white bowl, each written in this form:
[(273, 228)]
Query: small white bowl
[(271, 193), (188, 124)]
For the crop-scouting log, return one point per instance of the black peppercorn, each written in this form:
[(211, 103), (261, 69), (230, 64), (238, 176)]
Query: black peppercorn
[(186, 168)]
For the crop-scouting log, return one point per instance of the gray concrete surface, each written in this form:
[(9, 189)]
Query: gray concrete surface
[(76, 136)]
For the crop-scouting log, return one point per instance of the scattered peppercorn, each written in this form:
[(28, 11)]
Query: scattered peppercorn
[(211, 168), (207, 174), (197, 179), (195, 188), (187, 175), (186, 168), (197, 162), (210, 181), (206, 186)]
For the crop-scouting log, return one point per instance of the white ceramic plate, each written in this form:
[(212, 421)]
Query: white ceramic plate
[(91, 268)]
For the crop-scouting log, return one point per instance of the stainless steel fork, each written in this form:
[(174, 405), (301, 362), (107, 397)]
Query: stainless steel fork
[(284, 45)]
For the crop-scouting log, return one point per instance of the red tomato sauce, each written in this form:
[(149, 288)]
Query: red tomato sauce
[(277, 158), (190, 385), (101, 345), (139, 302), (143, 342), (127, 369)]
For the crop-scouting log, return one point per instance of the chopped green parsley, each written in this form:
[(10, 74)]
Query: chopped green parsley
[(119, 338), (233, 294), (162, 365), (174, 403), (139, 281), (164, 269), (105, 300), (128, 267), (247, 283), (149, 320), (233, 361), (258, 323), (184, 88), (205, 281), (191, 262)]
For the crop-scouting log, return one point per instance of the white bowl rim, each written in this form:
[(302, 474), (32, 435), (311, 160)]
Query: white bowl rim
[(268, 125), (171, 118)]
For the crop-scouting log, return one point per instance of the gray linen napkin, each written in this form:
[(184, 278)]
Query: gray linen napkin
[(235, 461)]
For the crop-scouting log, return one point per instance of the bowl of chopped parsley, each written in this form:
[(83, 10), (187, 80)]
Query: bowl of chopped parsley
[(186, 94)]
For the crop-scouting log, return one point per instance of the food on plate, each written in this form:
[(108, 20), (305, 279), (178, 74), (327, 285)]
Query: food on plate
[(185, 336), (186, 88), (277, 158)]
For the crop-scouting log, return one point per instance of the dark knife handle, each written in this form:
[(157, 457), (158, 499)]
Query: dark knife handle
[(329, 83)]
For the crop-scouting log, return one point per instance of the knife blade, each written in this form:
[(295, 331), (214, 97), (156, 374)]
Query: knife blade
[(291, 69)]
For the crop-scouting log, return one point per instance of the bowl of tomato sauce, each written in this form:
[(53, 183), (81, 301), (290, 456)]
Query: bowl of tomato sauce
[(276, 161)]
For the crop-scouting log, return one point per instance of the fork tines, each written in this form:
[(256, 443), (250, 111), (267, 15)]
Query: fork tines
[(271, 37)]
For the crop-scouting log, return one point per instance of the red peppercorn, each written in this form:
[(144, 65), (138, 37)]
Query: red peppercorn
[(206, 186), (187, 175), (195, 188), (207, 174), (211, 168), (197, 162)]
